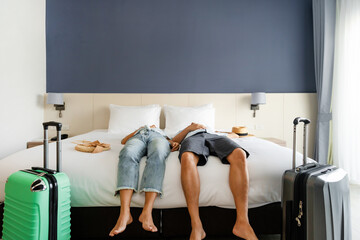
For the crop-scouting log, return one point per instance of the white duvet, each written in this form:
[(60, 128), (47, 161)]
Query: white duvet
[(93, 176)]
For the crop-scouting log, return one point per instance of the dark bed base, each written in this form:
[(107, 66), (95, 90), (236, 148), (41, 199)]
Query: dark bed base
[(96, 222)]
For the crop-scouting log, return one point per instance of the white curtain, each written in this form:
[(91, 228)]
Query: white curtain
[(346, 89), (324, 21)]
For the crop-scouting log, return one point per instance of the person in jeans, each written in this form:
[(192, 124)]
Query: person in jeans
[(153, 143), (197, 143)]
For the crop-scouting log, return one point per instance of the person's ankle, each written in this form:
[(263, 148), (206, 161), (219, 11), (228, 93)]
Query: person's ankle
[(242, 220), (196, 224), (146, 212), (125, 211)]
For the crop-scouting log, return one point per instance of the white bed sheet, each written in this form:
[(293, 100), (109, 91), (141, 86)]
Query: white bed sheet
[(93, 176)]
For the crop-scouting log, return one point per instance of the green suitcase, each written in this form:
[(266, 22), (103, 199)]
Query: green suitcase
[(37, 200)]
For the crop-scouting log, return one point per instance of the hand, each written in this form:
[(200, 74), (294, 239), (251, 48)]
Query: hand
[(174, 145), (152, 126), (195, 126)]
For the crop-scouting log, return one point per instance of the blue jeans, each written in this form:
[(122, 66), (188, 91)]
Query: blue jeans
[(144, 143)]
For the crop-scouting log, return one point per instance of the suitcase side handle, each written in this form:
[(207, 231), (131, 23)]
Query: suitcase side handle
[(306, 123), (58, 144), (306, 167)]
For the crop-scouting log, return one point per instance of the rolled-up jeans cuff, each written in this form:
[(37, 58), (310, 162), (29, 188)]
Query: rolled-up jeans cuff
[(117, 191), (151, 190)]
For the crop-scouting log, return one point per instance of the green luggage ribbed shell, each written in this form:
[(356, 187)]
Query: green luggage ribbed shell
[(26, 213)]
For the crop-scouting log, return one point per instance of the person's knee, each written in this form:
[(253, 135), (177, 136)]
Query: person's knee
[(127, 156), (125, 153), (189, 160), (238, 156), (159, 150)]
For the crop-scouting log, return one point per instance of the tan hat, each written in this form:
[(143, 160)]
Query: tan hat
[(240, 130)]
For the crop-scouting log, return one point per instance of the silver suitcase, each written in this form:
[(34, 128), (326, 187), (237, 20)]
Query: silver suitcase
[(315, 199)]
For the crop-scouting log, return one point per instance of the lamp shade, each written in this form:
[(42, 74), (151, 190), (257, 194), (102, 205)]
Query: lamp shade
[(258, 98), (55, 98)]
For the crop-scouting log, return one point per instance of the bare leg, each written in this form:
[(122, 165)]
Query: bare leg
[(125, 217), (239, 185), (191, 186), (146, 214)]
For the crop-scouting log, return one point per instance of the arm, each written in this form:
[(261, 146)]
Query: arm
[(125, 139), (192, 127)]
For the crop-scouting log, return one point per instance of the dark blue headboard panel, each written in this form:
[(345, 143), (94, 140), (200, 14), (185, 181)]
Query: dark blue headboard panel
[(179, 46)]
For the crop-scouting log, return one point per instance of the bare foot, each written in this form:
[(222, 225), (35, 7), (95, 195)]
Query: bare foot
[(123, 220), (197, 233), (147, 222), (244, 230)]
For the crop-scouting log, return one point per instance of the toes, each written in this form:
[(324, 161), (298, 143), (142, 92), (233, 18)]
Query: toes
[(154, 229), (111, 234), (114, 232), (120, 226), (147, 223), (150, 228)]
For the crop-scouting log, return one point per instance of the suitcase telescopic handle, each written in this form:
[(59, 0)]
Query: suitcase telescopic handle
[(58, 144), (306, 123), (299, 119), (52, 123)]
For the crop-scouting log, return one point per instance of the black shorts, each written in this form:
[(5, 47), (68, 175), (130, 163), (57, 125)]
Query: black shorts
[(205, 144)]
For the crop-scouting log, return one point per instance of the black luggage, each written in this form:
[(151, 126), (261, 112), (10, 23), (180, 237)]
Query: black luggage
[(315, 199)]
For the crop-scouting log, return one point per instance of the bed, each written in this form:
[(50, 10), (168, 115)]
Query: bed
[(93, 181)]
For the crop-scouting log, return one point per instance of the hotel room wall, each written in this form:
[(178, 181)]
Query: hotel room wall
[(180, 46), (86, 112), (22, 73)]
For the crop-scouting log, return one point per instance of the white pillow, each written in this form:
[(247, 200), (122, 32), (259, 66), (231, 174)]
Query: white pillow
[(177, 118), (126, 119)]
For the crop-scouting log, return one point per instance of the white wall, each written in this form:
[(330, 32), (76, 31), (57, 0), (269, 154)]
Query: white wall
[(22, 73), (85, 112)]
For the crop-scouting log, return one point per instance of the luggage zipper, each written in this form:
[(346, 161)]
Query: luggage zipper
[(300, 214), (53, 197)]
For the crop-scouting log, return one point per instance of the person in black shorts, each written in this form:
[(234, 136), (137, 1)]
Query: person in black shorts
[(196, 146)]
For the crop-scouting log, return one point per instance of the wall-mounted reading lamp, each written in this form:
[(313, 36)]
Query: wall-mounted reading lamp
[(57, 100), (256, 99)]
